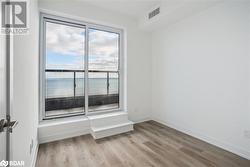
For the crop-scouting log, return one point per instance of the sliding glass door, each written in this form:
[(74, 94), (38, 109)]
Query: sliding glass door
[(103, 65), (64, 70), (80, 67)]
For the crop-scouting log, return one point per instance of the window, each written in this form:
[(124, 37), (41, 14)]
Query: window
[(80, 68)]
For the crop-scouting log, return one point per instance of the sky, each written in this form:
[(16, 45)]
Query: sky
[(65, 48)]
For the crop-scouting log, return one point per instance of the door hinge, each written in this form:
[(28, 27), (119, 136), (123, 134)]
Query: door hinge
[(7, 124)]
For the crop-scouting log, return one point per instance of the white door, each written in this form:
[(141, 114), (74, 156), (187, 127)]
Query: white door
[(3, 95), (6, 124), (6, 98)]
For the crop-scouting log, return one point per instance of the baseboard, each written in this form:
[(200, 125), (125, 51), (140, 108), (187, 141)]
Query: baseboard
[(34, 155), (141, 120), (226, 146)]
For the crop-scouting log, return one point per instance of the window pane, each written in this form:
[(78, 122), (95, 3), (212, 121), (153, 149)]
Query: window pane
[(98, 83), (59, 84), (103, 70), (64, 69), (113, 83), (64, 46), (103, 50), (79, 84)]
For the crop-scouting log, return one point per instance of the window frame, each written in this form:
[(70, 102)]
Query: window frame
[(45, 17)]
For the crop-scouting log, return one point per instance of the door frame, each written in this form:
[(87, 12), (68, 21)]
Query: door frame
[(9, 87)]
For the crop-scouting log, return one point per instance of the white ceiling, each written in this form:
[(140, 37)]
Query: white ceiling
[(139, 8), (134, 8), (171, 10)]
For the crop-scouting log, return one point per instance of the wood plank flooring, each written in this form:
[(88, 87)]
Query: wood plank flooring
[(150, 144)]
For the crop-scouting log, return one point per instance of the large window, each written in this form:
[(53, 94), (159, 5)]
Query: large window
[(80, 67)]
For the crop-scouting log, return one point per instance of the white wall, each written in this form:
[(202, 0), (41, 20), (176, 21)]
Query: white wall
[(138, 51), (200, 72), (25, 90)]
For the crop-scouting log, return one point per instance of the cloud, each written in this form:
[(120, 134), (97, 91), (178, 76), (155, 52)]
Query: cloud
[(65, 40), (104, 46)]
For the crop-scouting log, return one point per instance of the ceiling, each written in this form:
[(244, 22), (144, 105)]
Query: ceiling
[(171, 10), (138, 8), (133, 8)]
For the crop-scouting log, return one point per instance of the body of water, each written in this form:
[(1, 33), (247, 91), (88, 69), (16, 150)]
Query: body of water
[(64, 87)]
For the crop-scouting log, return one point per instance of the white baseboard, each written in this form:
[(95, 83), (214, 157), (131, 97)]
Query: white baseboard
[(226, 146), (34, 155), (141, 120)]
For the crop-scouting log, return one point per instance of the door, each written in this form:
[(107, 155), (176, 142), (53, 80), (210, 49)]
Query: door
[(6, 75), (6, 124)]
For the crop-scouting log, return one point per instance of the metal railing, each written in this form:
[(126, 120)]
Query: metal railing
[(76, 101), (89, 71)]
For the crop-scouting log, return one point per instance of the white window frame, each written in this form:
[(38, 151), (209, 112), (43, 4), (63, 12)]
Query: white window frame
[(121, 70)]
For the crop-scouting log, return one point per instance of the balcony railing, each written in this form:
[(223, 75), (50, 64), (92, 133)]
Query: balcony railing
[(75, 98)]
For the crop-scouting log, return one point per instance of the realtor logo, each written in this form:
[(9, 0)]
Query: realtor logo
[(14, 17), (17, 14), (4, 163)]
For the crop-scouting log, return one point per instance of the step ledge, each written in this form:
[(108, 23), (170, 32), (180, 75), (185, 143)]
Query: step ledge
[(111, 127)]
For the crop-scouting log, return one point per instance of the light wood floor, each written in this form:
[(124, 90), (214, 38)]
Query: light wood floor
[(150, 144)]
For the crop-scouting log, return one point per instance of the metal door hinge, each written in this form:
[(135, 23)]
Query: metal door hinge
[(7, 124)]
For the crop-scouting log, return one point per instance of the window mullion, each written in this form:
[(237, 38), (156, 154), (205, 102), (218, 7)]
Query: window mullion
[(86, 61)]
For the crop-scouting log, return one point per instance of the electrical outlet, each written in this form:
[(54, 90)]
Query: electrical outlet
[(247, 134), (31, 146)]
